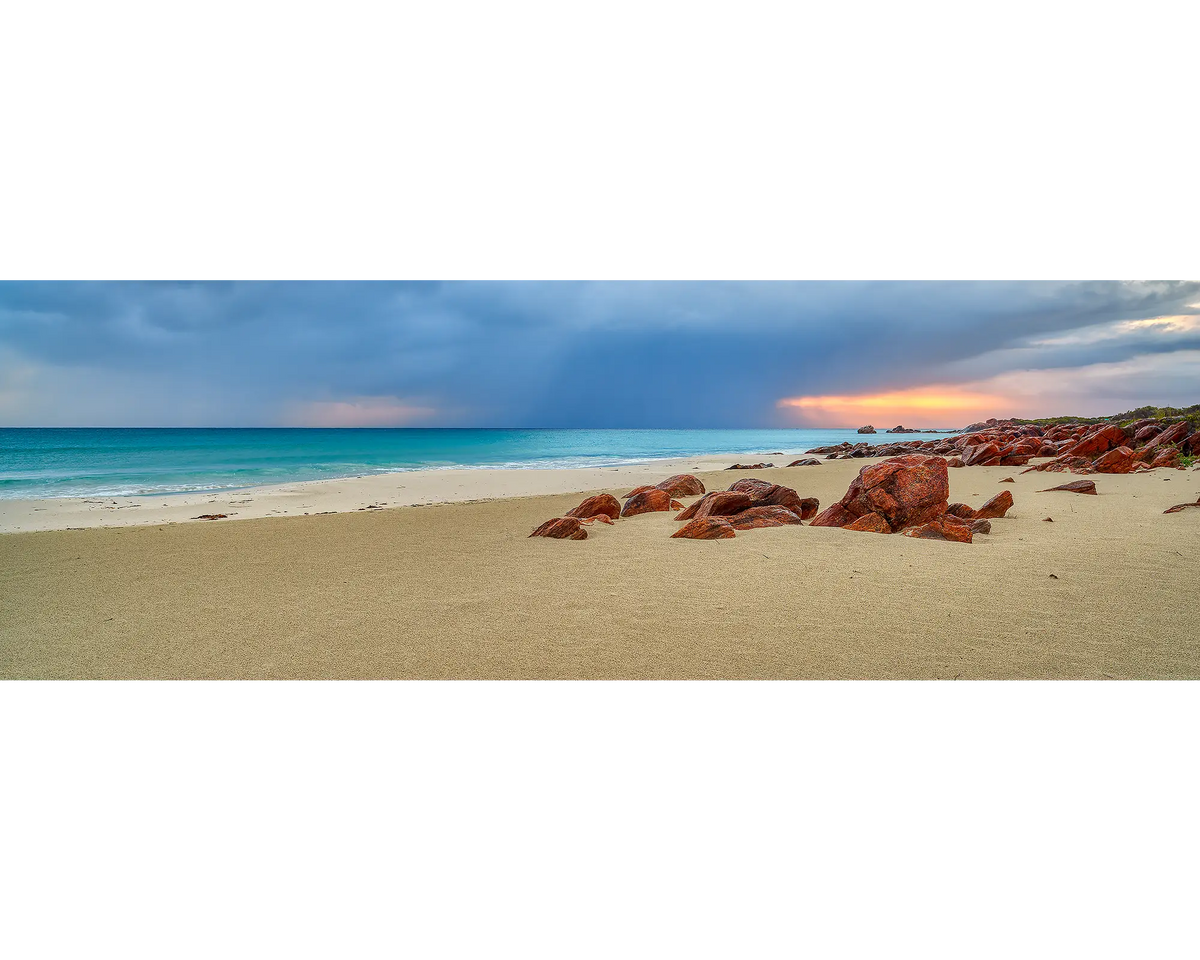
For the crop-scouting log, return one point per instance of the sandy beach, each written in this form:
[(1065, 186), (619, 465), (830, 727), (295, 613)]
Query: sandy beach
[(457, 591)]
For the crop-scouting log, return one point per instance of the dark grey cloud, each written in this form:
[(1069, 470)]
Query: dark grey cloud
[(541, 354)]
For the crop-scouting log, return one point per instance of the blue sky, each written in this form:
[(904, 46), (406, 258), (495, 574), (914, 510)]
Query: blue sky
[(590, 354)]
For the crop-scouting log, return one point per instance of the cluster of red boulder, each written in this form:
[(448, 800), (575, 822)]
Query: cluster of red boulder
[(747, 505), (1077, 447), (910, 495)]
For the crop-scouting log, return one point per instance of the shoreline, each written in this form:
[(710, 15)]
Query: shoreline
[(408, 488)]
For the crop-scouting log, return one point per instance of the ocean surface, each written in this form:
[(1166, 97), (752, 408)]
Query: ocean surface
[(84, 462)]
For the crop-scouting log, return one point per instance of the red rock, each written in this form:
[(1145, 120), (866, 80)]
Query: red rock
[(1047, 519), (648, 501), (937, 530), (779, 496), (1166, 457), (1008, 480), (636, 490), (869, 523), (561, 528), (753, 486), (1100, 440), (1148, 431), (706, 528), (764, 494), (955, 462), (1075, 486), (806, 462), (1173, 434), (768, 516), (750, 466), (981, 526), (961, 510), (1047, 450), (835, 516), (998, 506), (906, 491), (676, 505), (1117, 460), (601, 503), (1180, 507), (682, 485), (602, 518), (719, 503), (979, 453)]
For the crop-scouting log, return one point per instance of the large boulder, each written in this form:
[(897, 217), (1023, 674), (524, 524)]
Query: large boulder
[(998, 506), (719, 503), (906, 491), (705, 528), (636, 490), (601, 503), (648, 501), (561, 528), (682, 485), (867, 429)]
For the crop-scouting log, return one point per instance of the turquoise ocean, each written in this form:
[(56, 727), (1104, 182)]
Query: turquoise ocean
[(83, 462)]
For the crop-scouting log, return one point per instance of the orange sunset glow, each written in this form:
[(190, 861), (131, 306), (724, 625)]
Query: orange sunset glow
[(929, 406)]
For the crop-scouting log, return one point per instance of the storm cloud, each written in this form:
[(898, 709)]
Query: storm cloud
[(575, 354)]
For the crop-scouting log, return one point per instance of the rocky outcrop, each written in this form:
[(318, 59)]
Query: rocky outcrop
[(601, 504), (648, 501), (1075, 486), (867, 429), (705, 528), (750, 466), (940, 530), (561, 528), (905, 491), (998, 506), (768, 516), (682, 485), (805, 462)]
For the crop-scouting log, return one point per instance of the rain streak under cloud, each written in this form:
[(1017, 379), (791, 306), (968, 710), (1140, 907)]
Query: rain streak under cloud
[(596, 354)]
